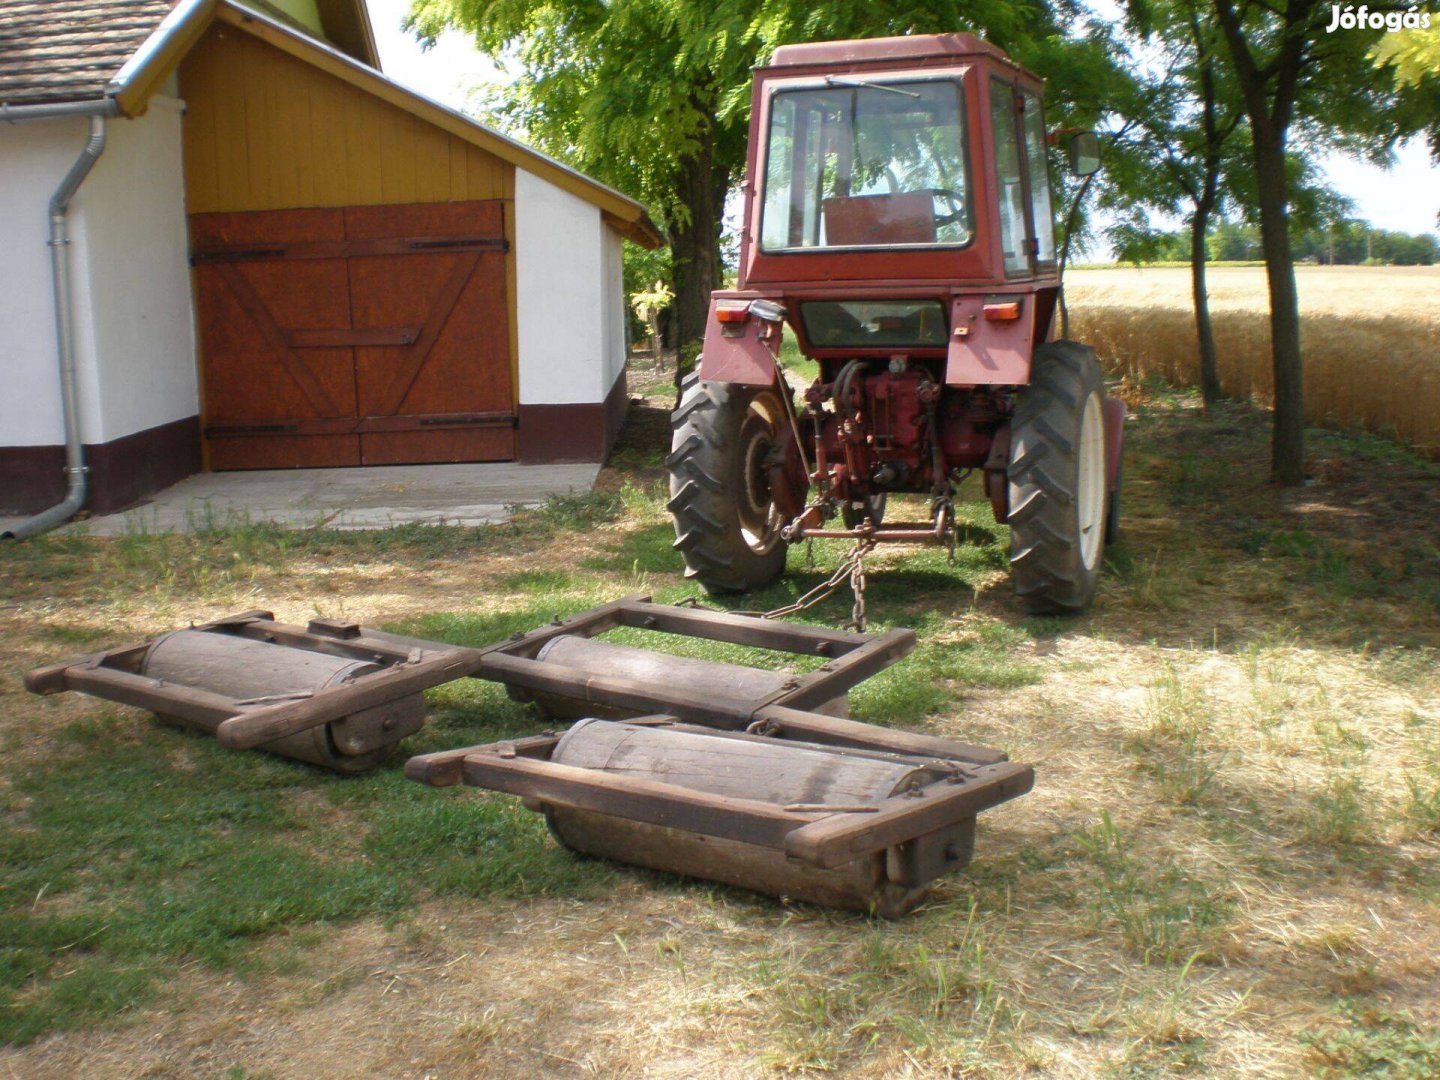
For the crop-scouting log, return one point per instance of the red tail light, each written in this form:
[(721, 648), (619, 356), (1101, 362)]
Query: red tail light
[(732, 311)]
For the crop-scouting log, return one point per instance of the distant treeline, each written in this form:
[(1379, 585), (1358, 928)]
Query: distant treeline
[(1348, 242)]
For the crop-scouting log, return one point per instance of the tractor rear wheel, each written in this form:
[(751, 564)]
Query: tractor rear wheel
[(727, 526), (1057, 479)]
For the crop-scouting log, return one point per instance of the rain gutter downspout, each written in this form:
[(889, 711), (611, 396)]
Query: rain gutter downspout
[(59, 243), (150, 55)]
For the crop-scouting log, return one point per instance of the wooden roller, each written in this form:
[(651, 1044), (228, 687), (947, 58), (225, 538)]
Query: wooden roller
[(644, 668), (259, 673), (804, 777)]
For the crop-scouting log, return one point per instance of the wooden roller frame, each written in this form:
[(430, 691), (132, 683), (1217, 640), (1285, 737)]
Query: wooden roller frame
[(410, 666), (850, 659), (821, 836)]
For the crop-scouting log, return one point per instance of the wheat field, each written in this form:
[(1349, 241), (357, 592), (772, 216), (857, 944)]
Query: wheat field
[(1370, 336)]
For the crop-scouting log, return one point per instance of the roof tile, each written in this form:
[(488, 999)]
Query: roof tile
[(69, 50)]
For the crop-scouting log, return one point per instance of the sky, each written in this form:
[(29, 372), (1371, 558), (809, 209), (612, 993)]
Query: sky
[(1404, 198)]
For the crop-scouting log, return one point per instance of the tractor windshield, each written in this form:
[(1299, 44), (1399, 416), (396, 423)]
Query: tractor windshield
[(863, 164)]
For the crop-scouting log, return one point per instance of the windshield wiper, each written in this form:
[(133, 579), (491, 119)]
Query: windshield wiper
[(836, 80)]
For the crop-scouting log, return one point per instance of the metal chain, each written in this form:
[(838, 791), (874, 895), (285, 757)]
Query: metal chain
[(851, 570), (857, 586)]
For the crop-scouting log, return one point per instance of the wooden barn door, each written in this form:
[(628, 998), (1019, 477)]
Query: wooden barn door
[(368, 335)]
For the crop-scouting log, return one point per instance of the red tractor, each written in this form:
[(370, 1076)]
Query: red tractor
[(898, 218)]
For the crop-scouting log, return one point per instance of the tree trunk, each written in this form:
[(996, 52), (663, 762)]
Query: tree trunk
[(1210, 390), (1270, 91), (695, 243), (1287, 447)]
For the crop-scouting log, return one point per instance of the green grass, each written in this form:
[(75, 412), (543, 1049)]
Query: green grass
[(541, 581), (1177, 750), (1372, 1042), (1340, 812), (895, 990), (1164, 914), (122, 859), (796, 364)]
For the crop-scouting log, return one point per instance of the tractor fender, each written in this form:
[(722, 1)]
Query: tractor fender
[(739, 352), (984, 352), (1114, 441)]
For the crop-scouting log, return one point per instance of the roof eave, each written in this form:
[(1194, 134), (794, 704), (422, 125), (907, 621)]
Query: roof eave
[(149, 65), (640, 231)]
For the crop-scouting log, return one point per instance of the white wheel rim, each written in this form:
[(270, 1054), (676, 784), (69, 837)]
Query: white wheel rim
[(762, 542), (1090, 496)]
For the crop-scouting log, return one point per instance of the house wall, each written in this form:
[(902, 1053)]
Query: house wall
[(33, 158), (571, 329), (613, 299), (135, 327), (617, 345), (133, 323)]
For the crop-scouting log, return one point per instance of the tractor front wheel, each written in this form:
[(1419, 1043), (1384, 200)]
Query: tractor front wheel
[(1057, 479), (727, 526)]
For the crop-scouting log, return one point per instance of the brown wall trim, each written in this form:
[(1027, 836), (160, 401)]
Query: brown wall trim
[(617, 401), (553, 434), (32, 478)]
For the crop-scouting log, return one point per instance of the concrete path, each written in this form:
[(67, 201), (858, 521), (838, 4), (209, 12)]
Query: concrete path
[(361, 498)]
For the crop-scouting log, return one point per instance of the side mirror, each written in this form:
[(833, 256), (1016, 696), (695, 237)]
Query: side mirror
[(1084, 150)]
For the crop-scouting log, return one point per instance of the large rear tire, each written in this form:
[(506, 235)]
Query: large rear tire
[(1057, 477), (726, 524)]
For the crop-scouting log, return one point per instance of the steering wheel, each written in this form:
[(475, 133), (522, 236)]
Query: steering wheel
[(954, 201)]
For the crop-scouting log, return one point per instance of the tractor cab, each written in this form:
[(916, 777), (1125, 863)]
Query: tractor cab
[(914, 166), (899, 223), (914, 158)]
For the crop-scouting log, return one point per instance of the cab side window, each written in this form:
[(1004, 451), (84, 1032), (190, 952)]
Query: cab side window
[(1038, 162), (1009, 182)]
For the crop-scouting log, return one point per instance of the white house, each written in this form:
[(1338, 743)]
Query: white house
[(229, 242)]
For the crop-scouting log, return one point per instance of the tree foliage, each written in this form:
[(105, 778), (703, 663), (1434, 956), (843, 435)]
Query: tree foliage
[(1413, 54), (1347, 242), (1182, 159)]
